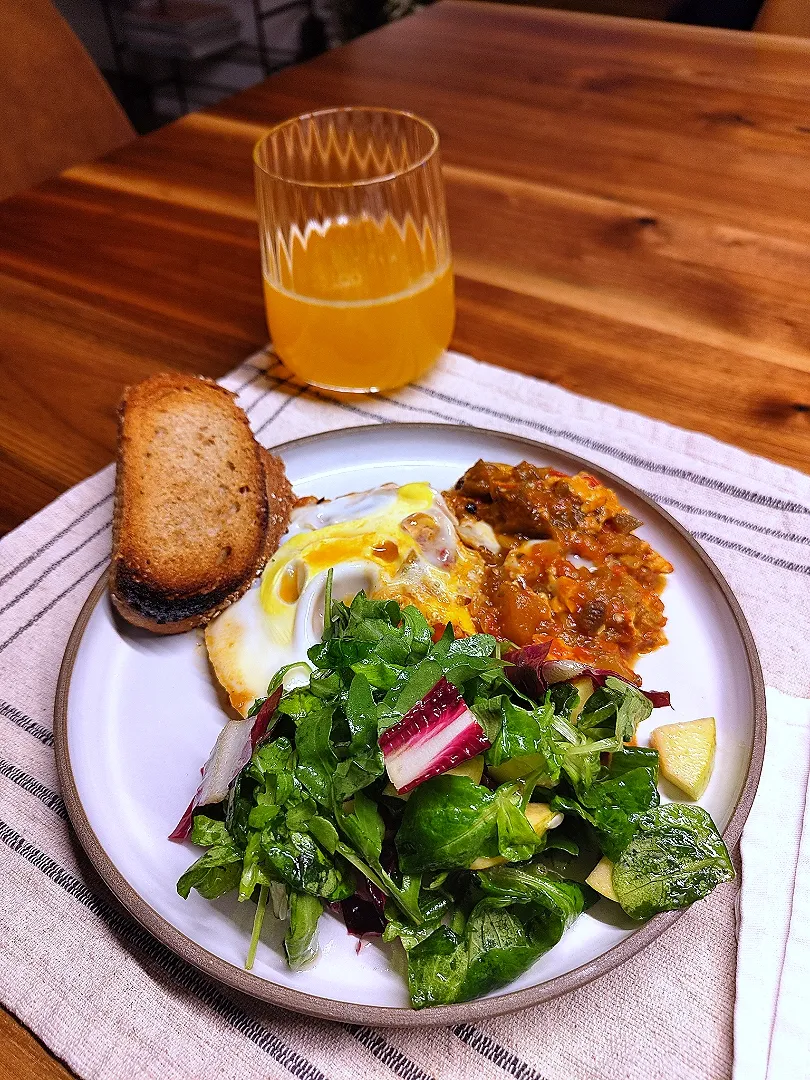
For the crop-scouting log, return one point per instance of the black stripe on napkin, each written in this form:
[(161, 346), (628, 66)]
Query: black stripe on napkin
[(52, 603), (727, 519), (732, 545), (497, 1054), (53, 539), (188, 977), (26, 723), (297, 393), (49, 569), (257, 374), (389, 1055), (34, 787)]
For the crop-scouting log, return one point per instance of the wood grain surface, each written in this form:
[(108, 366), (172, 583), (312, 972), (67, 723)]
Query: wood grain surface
[(630, 213)]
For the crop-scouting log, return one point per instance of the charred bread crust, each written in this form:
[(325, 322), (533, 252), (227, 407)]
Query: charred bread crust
[(143, 605)]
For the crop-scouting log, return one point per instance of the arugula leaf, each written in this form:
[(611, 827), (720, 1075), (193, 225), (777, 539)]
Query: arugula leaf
[(364, 827), (301, 939), (527, 735), (380, 673), (676, 857), (470, 657), (417, 631), (614, 712), (410, 690), (317, 760), (362, 760), (298, 861), (207, 832), (214, 873), (339, 652)]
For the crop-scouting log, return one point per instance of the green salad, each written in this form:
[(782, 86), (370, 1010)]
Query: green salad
[(451, 796)]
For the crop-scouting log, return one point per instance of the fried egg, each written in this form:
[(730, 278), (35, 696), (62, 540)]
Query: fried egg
[(394, 543)]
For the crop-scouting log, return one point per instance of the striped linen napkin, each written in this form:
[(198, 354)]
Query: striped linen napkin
[(113, 1003)]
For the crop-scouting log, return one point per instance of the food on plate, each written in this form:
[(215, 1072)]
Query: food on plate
[(563, 564), (199, 505), (686, 751), (405, 764), (397, 543), (601, 879)]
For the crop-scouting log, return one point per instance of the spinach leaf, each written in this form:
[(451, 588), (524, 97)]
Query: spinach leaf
[(437, 968), (448, 822), (613, 806), (517, 840), (433, 906), (634, 757), (301, 939), (676, 857), (532, 883), (501, 942)]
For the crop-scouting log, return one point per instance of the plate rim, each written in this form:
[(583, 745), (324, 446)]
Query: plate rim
[(395, 1016)]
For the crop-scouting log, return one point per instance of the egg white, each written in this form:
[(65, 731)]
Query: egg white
[(392, 542)]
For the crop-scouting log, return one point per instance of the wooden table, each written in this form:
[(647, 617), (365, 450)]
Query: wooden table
[(630, 214)]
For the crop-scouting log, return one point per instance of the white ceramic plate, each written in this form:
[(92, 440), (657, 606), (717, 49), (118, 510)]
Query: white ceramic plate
[(137, 715)]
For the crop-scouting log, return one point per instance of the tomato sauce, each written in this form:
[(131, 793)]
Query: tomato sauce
[(563, 564)]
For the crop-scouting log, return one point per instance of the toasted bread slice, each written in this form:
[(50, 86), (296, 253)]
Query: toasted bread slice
[(199, 505)]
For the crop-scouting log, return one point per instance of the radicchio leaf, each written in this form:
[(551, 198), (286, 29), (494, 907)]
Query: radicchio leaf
[(363, 911), (232, 751), (437, 734), (532, 674)]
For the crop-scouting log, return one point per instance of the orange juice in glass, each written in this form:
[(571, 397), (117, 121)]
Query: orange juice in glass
[(358, 280)]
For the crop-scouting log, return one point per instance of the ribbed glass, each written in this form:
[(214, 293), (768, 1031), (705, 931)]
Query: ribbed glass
[(355, 247)]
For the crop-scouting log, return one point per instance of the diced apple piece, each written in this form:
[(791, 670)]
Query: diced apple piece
[(601, 879), (686, 751), (541, 818), (473, 768), (482, 863), (584, 687)]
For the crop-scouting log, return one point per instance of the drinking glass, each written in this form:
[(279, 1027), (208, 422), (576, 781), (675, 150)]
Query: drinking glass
[(358, 281)]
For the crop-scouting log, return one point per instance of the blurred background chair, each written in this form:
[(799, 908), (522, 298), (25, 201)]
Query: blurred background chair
[(56, 110), (790, 17)]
